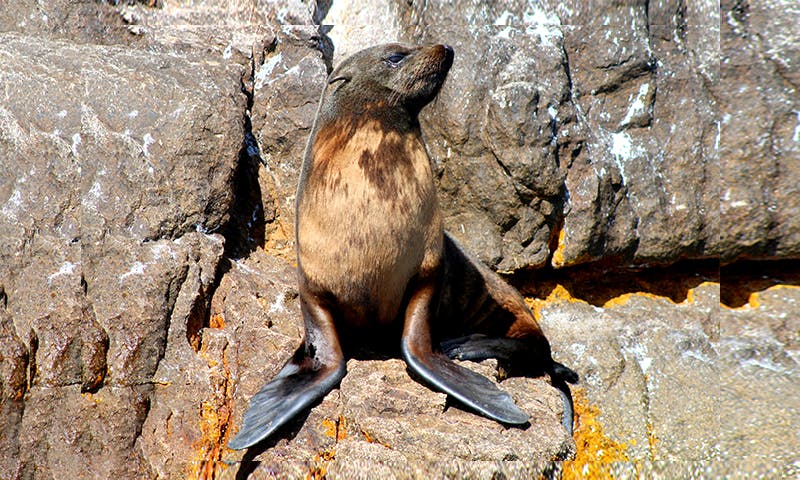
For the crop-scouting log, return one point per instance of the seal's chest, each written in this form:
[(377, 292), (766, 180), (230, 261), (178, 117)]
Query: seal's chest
[(367, 173), (367, 216)]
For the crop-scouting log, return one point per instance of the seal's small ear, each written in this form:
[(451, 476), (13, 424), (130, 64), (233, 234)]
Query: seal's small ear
[(334, 79), (340, 73)]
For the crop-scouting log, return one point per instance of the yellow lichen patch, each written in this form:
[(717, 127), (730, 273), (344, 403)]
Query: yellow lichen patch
[(336, 429), (596, 453), (216, 321), (558, 293), (605, 285), (278, 241), (212, 426), (319, 469), (558, 254), (626, 297), (370, 439), (215, 416), (652, 439), (740, 281), (753, 300), (91, 397), (690, 295)]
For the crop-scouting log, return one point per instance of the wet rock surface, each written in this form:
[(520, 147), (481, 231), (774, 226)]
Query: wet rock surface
[(149, 153)]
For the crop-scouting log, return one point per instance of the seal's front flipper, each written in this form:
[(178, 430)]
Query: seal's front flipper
[(314, 370), (296, 387), (471, 389)]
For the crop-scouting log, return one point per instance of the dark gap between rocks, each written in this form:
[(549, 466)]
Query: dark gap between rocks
[(245, 230), (597, 284), (741, 279)]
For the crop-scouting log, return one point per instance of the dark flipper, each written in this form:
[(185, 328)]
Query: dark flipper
[(295, 388), (566, 399), (480, 347), (471, 389), (314, 370)]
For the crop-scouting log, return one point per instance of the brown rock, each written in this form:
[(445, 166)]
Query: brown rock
[(378, 403), (99, 219), (132, 334), (759, 133)]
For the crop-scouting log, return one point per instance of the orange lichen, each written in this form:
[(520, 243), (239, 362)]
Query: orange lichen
[(602, 286), (742, 280), (558, 293), (91, 397), (596, 453), (558, 254), (336, 429), (214, 419), (215, 415), (652, 439), (370, 439), (626, 297), (278, 241), (319, 470), (216, 321)]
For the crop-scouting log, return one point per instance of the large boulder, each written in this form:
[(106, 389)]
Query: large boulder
[(117, 166), (149, 155)]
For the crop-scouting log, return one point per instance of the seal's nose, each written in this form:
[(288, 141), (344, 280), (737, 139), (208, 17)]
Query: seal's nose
[(449, 51), (448, 54)]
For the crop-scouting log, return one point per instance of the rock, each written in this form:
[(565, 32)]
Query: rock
[(287, 83), (759, 135), (104, 214), (377, 404), (758, 344), (640, 357), (81, 22)]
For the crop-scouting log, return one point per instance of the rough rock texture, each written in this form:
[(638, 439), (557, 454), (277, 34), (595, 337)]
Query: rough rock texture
[(146, 283), (380, 419), (559, 123), (760, 130), (116, 162), (759, 403), (647, 355)]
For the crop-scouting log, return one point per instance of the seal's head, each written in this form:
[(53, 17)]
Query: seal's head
[(391, 75)]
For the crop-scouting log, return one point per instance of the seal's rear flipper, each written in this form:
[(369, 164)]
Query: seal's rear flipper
[(479, 347), (301, 382), (471, 389)]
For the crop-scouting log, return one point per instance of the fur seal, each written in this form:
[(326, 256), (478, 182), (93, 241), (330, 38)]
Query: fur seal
[(374, 263)]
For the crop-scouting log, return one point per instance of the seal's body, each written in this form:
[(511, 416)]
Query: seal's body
[(374, 264)]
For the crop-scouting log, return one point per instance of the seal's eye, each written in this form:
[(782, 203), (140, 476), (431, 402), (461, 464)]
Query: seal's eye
[(395, 59)]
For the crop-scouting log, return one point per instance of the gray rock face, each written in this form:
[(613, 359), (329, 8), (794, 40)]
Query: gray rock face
[(145, 287), (760, 136), (116, 163), (555, 136)]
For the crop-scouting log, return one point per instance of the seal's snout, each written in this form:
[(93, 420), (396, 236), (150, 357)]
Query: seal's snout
[(448, 52), (445, 53)]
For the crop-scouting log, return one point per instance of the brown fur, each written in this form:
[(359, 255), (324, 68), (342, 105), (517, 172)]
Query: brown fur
[(368, 220), (374, 264)]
